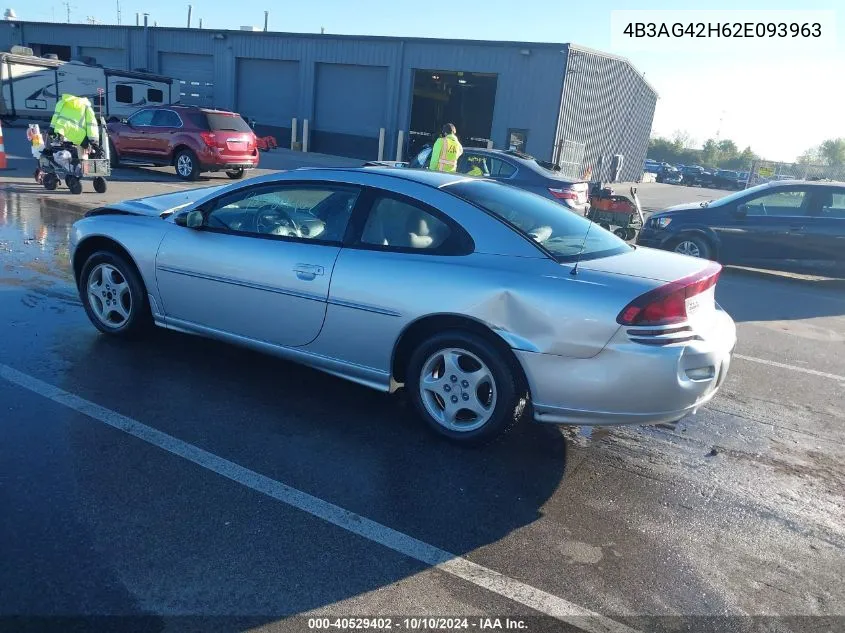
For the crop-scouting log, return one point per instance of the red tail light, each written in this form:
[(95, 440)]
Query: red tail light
[(209, 139), (668, 304), (563, 194)]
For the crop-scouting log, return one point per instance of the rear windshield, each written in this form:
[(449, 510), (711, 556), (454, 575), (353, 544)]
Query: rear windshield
[(559, 231), (216, 122)]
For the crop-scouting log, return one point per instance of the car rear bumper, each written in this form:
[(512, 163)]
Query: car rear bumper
[(230, 165), (629, 382)]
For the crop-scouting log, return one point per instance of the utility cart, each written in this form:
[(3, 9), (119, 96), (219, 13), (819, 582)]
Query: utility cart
[(619, 214), (60, 162)]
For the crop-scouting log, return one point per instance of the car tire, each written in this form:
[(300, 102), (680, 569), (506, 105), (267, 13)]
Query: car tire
[(100, 184), (621, 233), (114, 296), (496, 404), (187, 165), (693, 246), (235, 174), (114, 157), (50, 181)]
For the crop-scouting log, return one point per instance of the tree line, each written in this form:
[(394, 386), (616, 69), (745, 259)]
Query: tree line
[(679, 149), (726, 155)]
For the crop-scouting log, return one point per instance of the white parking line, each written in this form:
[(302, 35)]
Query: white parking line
[(803, 370), (481, 576)]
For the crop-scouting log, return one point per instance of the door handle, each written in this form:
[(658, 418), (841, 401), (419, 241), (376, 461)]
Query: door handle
[(307, 272), (796, 227)]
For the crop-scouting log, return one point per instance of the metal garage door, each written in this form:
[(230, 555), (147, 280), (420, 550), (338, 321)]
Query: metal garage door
[(268, 90), (107, 57), (195, 74), (350, 99)]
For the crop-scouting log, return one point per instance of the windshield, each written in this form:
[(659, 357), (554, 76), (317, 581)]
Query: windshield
[(556, 229), (736, 195)]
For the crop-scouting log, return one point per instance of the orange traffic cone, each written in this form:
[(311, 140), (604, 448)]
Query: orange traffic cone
[(3, 163)]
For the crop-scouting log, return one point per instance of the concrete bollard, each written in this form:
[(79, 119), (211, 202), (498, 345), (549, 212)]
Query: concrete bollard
[(293, 133), (400, 142), (489, 144), (381, 144), (305, 135)]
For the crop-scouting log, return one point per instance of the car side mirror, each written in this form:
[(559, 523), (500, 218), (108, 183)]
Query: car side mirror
[(194, 220), (741, 210)]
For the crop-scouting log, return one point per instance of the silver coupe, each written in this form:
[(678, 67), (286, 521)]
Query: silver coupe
[(487, 303)]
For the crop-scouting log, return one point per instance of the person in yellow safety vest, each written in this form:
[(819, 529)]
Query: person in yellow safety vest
[(446, 151), (479, 167), (75, 120)]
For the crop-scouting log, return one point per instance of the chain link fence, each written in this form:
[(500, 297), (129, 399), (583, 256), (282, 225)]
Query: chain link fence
[(767, 171)]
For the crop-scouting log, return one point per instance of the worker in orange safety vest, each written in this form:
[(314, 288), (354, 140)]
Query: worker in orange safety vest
[(446, 151)]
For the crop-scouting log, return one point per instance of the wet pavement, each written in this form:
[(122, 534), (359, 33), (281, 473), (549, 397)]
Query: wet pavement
[(736, 512)]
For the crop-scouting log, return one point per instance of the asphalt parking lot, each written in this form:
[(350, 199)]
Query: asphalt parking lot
[(180, 484)]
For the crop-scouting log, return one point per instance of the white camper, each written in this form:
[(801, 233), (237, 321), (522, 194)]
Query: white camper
[(31, 86)]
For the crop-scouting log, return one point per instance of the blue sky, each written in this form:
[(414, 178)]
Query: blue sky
[(778, 101)]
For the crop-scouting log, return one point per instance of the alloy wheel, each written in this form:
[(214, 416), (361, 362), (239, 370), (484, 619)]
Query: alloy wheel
[(688, 247), (457, 389), (109, 296)]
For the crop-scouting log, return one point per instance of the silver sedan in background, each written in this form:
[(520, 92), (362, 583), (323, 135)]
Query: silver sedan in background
[(488, 304)]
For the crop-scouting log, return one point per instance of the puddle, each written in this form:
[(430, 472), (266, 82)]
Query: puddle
[(34, 241)]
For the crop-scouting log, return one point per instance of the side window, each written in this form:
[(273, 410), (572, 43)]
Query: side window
[(142, 119), (397, 224), (832, 204), (123, 93), (785, 203), (473, 165), (166, 118), (299, 211), (154, 95), (501, 169)]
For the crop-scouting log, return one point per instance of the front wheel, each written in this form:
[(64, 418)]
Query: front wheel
[(100, 185), (50, 181), (464, 388), (113, 295), (74, 184), (693, 246), (187, 166), (235, 174)]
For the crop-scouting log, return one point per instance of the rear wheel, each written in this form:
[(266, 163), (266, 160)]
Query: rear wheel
[(693, 246), (621, 233), (100, 185), (235, 174), (187, 166), (464, 388)]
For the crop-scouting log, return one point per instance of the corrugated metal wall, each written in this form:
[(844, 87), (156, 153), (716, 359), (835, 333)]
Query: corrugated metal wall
[(609, 107), (529, 89)]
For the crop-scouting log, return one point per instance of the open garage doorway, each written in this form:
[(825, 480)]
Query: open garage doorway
[(443, 96)]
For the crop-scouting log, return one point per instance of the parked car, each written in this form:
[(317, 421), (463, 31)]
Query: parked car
[(727, 179), (519, 170), (670, 175), (769, 224), (485, 301), (193, 140)]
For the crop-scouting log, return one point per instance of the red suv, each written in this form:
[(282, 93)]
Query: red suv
[(191, 139)]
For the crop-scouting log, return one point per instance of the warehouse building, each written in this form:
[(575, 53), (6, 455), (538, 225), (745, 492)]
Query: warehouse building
[(559, 102)]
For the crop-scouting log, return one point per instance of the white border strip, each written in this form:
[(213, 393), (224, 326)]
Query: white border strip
[(478, 575)]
